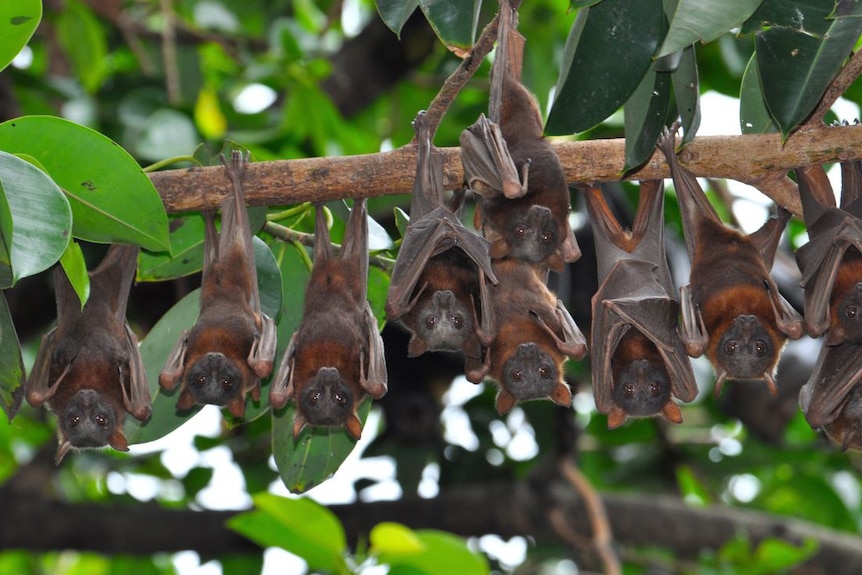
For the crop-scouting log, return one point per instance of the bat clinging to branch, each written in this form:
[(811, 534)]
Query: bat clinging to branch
[(232, 344), (88, 369), (336, 356), (639, 361), (731, 308)]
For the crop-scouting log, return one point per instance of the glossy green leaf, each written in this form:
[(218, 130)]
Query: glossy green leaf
[(704, 20), (84, 41), (41, 218), (691, 488), (454, 21), (11, 363), (75, 267), (754, 118), (686, 92), (156, 347), (583, 3), (796, 67), (442, 553), (608, 52), (775, 555), (301, 526), (646, 113), (810, 15), (6, 230), (18, 21), (394, 538), (395, 13), (112, 199)]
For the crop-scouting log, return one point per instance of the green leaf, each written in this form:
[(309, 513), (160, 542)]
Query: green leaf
[(11, 363), (442, 553), (84, 42), (187, 251), (41, 218), (401, 220), (395, 539), (796, 67), (645, 116), (18, 21), (690, 487), (454, 21), (301, 526), (686, 92), (704, 20), (75, 267), (810, 15), (112, 199), (775, 555), (608, 52), (754, 118), (395, 13)]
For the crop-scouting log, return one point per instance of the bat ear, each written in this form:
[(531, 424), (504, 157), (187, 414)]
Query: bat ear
[(186, 400), (561, 395), (299, 422), (555, 262), (616, 417), (569, 249), (236, 406), (720, 376), (835, 336), (64, 448), (671, 412), (416, 347), (118, 441), (505, 401), (353, 426)]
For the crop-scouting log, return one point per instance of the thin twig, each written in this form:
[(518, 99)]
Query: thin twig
[(453, 84), (602, 536)]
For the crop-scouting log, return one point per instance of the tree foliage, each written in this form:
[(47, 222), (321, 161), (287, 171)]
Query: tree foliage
[(98, 95)]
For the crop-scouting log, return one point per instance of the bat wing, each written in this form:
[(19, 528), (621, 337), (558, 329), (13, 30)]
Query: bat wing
[(375, 380), (281, 389), (137, 399), (433, 234), (39, 388), (510, 56), (488, 167), (428, 184), (837, 371), (355, 246)]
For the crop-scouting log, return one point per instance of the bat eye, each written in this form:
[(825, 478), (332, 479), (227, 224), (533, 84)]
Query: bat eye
[(201, 380), (101, 419), (730, 347), (431, 321), (226, 383), (544, 371), (760, 347), (628, 391), (546, 238), (850, 312), (457, 321), (655, 389), (339, 397), (521, 230), (517, 374), (74, 420), (313, 398)]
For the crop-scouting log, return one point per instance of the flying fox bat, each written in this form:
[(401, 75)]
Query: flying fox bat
[(232, 344), (831, 261), (438, 289), (336, 356), (88, 369), (731, 308), (639, 361), (524, 205), (535, 335)]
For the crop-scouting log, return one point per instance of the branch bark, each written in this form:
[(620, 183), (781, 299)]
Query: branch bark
[(507, 509), (760, 160)]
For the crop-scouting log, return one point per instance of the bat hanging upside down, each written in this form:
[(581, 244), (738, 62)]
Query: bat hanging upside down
[(88, 369)]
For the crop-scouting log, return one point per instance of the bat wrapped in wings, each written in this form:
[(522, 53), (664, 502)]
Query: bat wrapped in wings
[(88, 369), (523, 206), (831, 266), (731, 308), (639, 361), (232, 344), (336, 356), (439, 286), (535, 335)]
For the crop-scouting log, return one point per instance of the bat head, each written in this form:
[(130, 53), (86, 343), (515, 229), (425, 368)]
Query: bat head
[(532, 373), (444, 322), (213, 379), (850, 314), (327, 400), (530, 235), (642, 387), (90, 419), (846, 430), (746, 350)]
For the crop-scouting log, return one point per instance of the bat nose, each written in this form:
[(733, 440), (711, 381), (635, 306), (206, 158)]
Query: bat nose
[(88, 396), (640, 369), (747, 325), (328, 375), (527, 351), (444, 297)]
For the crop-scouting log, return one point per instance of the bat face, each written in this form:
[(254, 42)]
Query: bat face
[(90, 420), (327, 400), (531, 372), (641, 386), (848, 307), (214, 379), (746, 349), (442, 321), (529, 235)]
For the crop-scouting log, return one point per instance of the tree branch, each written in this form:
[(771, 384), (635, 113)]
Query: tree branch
[(507, 509), (758, 159)]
